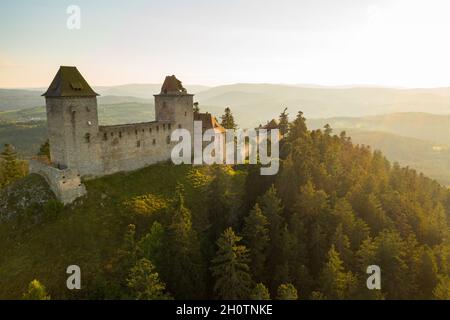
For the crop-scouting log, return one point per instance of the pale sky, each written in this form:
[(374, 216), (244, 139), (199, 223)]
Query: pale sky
[(402, 43)]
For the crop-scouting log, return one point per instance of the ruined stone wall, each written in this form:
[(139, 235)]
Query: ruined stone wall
[(65, 184)]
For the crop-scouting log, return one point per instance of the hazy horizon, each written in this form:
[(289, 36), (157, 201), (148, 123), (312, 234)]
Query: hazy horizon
[(301, 85)]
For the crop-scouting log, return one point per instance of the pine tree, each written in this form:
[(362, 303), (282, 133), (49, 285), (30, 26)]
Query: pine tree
[(152, 244), (442, 290), (260, 292), (185, 266), (342, 245), (144, 282), (271, 207), (230, 268), (427, 277), (10, 167), (284, 123), (298, 128), (228, 120), (223, 203), (392, 255), (334, 281), (287, 292), (256, 237), (36, 291)]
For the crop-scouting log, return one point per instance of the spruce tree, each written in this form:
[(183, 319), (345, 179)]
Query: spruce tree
[(228, 120), (230, 268), (271, 207), (342, 245), (256, 237), (442, 290), (334, 281), (260, 292), (152, 244), (185, 266), (427, 277), (287, 291), (10, 166), (284, 123), (144, 282), (36, 291)]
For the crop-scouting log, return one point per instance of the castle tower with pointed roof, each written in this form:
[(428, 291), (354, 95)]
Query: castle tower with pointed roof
[(72, 120)]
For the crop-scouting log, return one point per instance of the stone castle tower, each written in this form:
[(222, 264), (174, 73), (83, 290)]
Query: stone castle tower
[(72, 120), (81, 148)]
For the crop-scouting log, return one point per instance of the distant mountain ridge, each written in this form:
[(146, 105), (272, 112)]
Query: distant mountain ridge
[(424, 126)]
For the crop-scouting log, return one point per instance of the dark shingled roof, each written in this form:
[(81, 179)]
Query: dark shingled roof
[(69, 82), (172, 85)]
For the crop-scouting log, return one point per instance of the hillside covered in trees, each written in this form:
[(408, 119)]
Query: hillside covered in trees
[(219, 232)]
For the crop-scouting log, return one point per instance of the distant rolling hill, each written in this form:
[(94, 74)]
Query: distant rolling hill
[(425, 126), (254, 103), (425, 156), (145, 91)]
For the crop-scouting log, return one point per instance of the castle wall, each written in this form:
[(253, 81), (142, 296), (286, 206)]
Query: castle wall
[(134, 146)]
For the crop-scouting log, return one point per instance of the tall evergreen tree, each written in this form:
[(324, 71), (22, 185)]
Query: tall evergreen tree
[(152, 244), (187, 273), (228, 120), (271, 207), (10, 167), (256, 237), (284, 123), (342, 245), (230, 268), (144, 282), (334, 281), (427, 276)]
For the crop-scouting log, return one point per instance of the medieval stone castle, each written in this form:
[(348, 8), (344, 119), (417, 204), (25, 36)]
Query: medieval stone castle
[(81, 148)]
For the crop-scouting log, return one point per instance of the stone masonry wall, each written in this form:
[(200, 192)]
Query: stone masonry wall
[(66, 184)]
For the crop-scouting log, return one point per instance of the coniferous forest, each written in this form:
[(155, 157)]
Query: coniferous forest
[(309, 232)]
